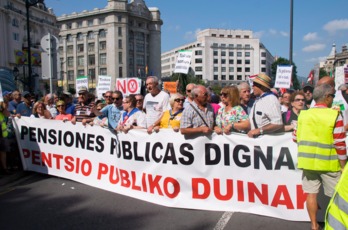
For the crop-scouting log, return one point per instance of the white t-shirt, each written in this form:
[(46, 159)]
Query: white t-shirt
[(155, 106), (138, 117)]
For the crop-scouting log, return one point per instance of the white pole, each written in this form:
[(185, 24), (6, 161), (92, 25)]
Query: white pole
[(50, 61)]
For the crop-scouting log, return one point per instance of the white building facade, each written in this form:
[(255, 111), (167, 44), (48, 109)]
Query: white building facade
[(121, 40), (14, 40), (223, 57)]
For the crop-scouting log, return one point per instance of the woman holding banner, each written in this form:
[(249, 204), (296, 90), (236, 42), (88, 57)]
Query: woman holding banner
[(171, 118), (232, 116), (132, 118)]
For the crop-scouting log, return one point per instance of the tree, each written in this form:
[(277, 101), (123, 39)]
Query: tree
[(185, 79), (284, 61), (323, 73)]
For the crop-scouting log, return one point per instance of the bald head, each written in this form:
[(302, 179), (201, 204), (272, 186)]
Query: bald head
[(327, 80)]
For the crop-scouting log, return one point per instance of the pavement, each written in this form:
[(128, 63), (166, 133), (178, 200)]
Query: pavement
[(8, 180)]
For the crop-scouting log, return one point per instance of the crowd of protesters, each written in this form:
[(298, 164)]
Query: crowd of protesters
[(253, 110)]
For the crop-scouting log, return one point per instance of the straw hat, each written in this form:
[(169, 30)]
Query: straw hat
[(264, 80)]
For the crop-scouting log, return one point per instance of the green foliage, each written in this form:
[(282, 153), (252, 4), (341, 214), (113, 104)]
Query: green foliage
[(185, 79), (323, 73), (284, 61)]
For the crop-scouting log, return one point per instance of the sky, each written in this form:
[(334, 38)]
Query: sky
[(317, 24)]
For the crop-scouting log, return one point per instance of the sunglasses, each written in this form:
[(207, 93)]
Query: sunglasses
[(298, 99), (331, 95), (139, 100), (179, 100), (223, 94), (107, 96), (60, 105), (188, 90), (116, 98)]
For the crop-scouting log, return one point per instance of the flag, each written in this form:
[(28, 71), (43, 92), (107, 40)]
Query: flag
[(310, 77)]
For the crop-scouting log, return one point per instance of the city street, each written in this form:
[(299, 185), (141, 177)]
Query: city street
[(37, 201)]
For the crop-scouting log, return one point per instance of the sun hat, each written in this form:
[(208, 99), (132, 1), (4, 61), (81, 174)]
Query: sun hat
[(264, 80)]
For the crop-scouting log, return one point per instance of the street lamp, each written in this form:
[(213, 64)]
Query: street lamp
[(28, 4)]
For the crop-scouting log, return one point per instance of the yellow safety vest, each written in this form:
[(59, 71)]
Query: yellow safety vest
[(315, 140), (3, 125), (337, 211)]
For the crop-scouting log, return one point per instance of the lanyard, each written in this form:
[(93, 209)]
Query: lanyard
[(127, 115)]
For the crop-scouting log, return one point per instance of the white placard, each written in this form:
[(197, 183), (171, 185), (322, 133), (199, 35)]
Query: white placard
[(283, 77), (183, 61), (104, 84), (81, 81)]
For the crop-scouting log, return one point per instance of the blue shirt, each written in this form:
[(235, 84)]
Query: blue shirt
[(12, 106), (70, 108), (113, 114), (24, 110)]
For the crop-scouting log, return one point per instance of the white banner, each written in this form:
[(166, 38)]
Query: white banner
[(183, 61), (283, 77), (220, 172), (104, 84)]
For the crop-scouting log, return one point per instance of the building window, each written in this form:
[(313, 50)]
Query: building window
[(15, 22), (223, 69), (231, 69), (80, 72), (140, 48), (247, 54), (79, 37), (239, 54), (198, 68), (263, 62), (216, 77), (239, 46), (68, 26), (213, 35), (80, 61), (119, 18), (120, 71), (102, 59), (90, 47), (223, 61), (198, 52), (223, 77), (101, 21), (239, 69), (231, 77), (247, 69), (102, 33), (80, 48), (198, 60), (239, 77), (103, 71), (231, 61), (119, 31), (247, 61), (15, 36), (79, 24), (71, 75), (69, 49), (120, 43), (90, 22), (263, 70), (216, 61), (120, 57), (91, 60), (215, 53), (90, 35), (91, 73), (70, 61), (102, 45), (231, 53), (69, 38), (247, 46), (263, 54), (216, 69), (223, 53)]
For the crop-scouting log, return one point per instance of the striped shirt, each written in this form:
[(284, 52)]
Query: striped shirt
[(84, 111), (266, 110), (339, 135)]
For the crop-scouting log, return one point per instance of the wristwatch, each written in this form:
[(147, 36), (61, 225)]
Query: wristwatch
[(261, 131)]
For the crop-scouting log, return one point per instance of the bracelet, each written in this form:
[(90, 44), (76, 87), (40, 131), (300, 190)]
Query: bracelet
[(261, 131)]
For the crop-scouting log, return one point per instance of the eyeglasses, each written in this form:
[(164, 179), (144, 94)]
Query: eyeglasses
[(298, 99), (139, 100), (308, 90), (116, 98), (223, 94), (188, 90), (107, 96), (331, 95), (179, 100)]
